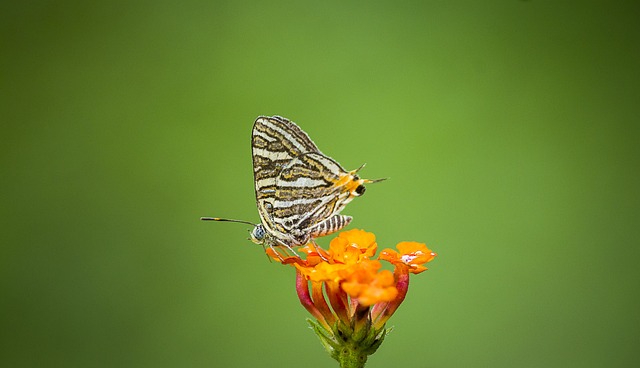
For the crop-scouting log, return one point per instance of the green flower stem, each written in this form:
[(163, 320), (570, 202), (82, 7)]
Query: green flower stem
[(351, 357), (349, 347)]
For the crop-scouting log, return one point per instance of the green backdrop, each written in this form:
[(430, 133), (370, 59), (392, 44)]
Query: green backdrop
[(509, 130)]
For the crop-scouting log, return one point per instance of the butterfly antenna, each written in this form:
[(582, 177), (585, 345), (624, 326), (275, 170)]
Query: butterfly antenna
[(226, 220), (370, 181), (360, 168)]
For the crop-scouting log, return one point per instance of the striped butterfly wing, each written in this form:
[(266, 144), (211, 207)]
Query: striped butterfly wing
[(275, 143), (309, 190), (298, 189)]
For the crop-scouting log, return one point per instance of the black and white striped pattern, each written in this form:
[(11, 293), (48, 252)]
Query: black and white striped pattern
[(299, 190)]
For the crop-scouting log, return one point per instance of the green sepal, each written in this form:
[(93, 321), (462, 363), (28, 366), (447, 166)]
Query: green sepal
[(350, 348), (326, 337), (377, 340), (361, 333)]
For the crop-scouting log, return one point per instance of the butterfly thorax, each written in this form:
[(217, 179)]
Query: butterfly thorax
[(260, 235)]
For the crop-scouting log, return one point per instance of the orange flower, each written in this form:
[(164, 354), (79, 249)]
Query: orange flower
[(411, 254), (352, 246), (347, 291), (322, 271), (369, 286)]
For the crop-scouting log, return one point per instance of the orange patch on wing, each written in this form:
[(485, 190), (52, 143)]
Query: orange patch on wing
[(348, 182)]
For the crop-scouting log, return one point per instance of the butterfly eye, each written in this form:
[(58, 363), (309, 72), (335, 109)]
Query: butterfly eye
[(268, 206), (360, 190)]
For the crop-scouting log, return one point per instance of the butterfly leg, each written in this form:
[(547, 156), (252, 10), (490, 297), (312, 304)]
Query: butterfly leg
[(290, 249), (271, 252), (284, 255), (323, 254)]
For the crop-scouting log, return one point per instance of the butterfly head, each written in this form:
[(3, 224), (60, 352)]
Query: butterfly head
[(258, 234)]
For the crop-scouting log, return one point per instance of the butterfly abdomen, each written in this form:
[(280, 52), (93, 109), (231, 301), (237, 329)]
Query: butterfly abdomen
[(330, 225)]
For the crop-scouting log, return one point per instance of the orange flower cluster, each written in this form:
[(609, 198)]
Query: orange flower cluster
[(346, 284)]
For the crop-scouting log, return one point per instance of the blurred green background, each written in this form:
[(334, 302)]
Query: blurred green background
[(509, 130)]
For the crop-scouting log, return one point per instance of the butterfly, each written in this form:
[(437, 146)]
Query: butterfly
[(299, 191)]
